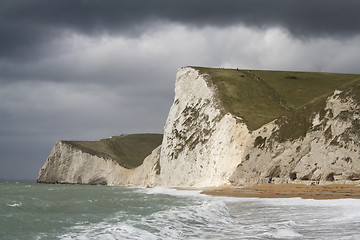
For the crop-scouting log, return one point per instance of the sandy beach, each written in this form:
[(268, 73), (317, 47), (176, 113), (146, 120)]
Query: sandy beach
[(331, 191)]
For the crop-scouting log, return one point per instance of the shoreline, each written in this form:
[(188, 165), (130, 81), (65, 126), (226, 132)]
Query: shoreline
[(277, 190), (289, 190)]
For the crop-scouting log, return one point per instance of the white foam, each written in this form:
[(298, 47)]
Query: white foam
[(15, 204), (107, 230), (311, 202), (284, 233), (197, 193), (174, 192), (200, 219)]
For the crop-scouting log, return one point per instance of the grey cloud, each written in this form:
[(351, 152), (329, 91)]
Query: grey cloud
[(69, 110), (26, 26)]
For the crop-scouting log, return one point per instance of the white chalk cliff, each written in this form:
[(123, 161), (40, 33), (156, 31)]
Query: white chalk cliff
[(328, 152), (202, 144), (67, 164), (205, 145)]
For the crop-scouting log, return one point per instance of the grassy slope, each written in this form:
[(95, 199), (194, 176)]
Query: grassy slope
[(128, 150), (259, 97)]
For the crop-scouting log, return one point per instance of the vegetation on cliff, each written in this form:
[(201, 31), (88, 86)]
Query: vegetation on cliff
[(259, 96), (128, 150)]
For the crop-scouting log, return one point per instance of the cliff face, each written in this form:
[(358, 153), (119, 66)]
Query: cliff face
[(236, 126), (74, 163), (202, 144), (328, 151)]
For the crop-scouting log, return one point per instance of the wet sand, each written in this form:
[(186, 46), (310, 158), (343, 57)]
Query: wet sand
[(331, 191)]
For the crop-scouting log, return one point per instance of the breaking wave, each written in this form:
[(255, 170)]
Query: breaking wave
[(102, 212)]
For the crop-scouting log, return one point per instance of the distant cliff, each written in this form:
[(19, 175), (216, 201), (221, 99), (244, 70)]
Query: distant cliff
[(113, 161), (242, 127)]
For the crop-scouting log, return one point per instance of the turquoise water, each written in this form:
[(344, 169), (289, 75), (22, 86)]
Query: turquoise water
[(40, 211)]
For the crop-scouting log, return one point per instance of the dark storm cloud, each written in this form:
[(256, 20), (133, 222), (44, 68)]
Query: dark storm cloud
[(26, 25)]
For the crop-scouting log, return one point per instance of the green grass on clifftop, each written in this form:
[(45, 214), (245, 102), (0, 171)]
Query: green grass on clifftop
[(259, 96), (128, 150)]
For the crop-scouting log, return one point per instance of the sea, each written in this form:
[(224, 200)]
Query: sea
[(54, 211)]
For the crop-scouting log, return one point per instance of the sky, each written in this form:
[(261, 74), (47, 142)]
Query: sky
[(91, 69)]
